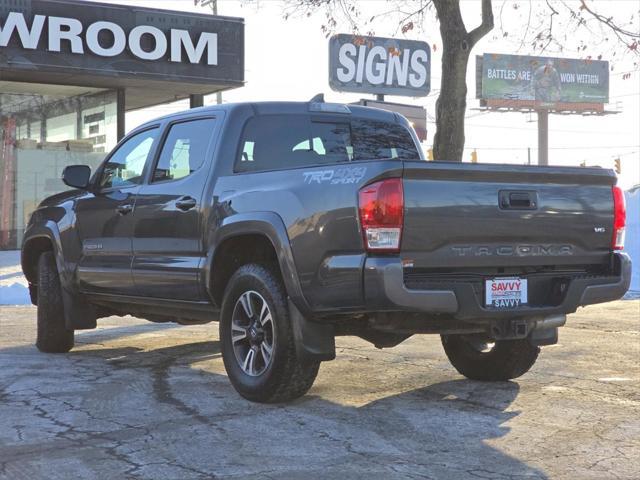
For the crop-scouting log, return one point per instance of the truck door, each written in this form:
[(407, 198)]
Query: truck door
[(105, 218), (167, 235)]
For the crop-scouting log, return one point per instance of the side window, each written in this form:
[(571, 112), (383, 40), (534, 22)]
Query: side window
[(374, 140), (184, 149), (125, 167), (272, 142), (332, 141), (269, 141)]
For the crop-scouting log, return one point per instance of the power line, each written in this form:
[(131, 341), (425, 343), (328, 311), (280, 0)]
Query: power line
[(616, 74), (555, 148), (431, 120), (635, 94), (508, 127)]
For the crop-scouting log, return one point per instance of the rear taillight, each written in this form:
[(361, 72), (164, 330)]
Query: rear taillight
[(381, 207), (619, 218)]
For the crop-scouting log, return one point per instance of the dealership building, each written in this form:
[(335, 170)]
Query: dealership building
[(70, 70)]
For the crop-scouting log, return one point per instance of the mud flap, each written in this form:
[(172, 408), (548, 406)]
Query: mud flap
[(314, 341), (540, 338), (78, 313), (33, 294)]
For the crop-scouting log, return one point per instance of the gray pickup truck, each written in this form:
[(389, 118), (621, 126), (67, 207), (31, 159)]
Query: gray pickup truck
[(293, 223)]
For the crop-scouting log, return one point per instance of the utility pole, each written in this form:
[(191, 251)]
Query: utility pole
[(543, 137), (214, 10), (198, 100)]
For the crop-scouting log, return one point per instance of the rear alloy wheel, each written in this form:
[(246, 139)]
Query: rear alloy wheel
[(479, 358), (258, 345), (253, 335)]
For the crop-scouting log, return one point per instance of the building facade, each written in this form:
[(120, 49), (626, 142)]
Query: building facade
[(69, 70)]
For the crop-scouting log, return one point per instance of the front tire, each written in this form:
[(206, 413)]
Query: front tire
[(53, 336), (479, 359), (258, 346)]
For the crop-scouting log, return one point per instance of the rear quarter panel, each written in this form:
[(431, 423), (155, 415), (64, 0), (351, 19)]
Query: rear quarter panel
[(318, 206)]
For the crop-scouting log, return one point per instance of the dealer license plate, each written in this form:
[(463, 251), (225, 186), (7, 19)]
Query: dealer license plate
[(506, 292)]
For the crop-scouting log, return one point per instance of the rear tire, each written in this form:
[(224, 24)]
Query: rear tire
[(273, 372), (53, 336), (507, 359)]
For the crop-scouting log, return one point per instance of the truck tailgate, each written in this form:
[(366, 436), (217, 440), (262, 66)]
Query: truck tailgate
[(468, 215)]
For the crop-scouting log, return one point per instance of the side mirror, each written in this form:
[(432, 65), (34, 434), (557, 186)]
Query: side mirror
[(77, 176)]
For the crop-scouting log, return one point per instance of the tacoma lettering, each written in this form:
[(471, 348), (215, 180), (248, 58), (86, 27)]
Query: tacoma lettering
[(512, 251)]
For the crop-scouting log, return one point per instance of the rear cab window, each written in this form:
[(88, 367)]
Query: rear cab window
[(275, 142), (184, 149)]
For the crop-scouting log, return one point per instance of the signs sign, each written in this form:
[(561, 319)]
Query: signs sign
[(542, 81), (113, 40), (379, 65)]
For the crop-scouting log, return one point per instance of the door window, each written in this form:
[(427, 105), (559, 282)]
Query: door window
[(272, 142), (374, 140), (184, 149), (125, 167)]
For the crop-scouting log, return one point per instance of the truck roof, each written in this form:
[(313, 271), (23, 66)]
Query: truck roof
[(316, 105)]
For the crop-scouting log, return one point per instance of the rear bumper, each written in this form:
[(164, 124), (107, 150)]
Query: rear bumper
[(385, 290)]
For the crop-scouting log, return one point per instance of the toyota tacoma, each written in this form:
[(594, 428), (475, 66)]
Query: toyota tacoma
[(293, 223)]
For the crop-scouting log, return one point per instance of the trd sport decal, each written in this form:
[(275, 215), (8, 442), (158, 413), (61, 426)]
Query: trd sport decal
[(335, 176)]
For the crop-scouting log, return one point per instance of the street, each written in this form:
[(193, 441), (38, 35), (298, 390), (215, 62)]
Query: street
[(141, 400)]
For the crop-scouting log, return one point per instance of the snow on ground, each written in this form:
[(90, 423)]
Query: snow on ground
[(632, 241), (13, 285)]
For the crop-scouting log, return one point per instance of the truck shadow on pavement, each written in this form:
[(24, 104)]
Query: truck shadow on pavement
[(439, 431), (170, 412)]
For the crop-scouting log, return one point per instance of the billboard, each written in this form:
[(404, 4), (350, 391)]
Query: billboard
[(377, 65), (557, 83)]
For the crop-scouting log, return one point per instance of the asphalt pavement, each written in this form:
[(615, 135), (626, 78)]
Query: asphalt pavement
[(142, 400)]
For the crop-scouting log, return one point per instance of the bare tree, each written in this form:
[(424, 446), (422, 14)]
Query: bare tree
[(451, 105), (542, 27)]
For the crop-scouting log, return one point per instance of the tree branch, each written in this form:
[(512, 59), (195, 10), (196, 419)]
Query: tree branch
[(526, 32), (608, 21), (416, 13), (485, 27), (550, 30)]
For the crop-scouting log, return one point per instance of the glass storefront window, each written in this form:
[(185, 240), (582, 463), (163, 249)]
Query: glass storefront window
[(44, 128)]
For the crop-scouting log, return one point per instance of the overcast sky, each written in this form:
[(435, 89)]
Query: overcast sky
[(288, 60)]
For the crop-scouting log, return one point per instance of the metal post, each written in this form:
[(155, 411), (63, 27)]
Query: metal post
[(120, 105), (43, 125), (380, 97), (543, 137), (78, 119), (196, 100), (214, 7), (528, 155)]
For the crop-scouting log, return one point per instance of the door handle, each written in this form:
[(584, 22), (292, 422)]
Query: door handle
[(124, 209), (186, 203)]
